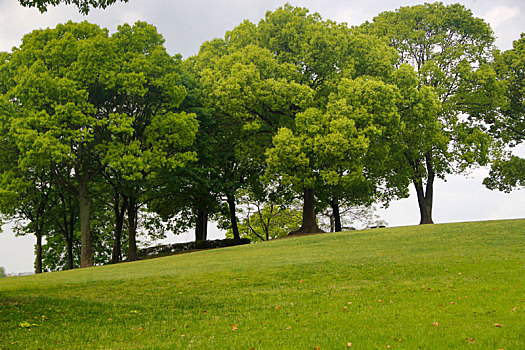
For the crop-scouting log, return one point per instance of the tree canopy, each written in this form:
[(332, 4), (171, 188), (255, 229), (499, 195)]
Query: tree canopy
[(450, 50), (508, 123), (84, 6), (87, 102), (107, 137)]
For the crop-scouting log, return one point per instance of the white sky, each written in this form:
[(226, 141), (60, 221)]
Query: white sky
[(187, 24)]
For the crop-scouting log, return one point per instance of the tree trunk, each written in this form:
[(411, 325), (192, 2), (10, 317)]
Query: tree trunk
[(425, 197), (68, 227), (336, 214), (119, 211), (233, 217), (38, 252), (309, 224), (425, 204), (132, 227), (86, 247), (201, 226), (70, 263)]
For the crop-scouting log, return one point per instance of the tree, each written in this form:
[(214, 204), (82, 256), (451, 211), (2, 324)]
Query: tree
[(449, 49), (84, 6), (151, 135), (261, 76), (26, 193), (2, 272), (252, 95), (57, 125), (508, 123), (85, 102), (189, 196), (331, 148)]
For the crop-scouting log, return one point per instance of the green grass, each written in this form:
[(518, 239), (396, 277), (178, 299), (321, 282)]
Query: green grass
[(428, 287)]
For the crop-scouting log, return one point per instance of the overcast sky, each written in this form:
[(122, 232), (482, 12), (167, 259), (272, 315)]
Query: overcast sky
[(187, 24)]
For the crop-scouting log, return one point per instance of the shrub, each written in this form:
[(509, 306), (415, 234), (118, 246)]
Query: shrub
[(167, 249)]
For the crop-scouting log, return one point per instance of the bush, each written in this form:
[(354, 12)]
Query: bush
[(167, 249)]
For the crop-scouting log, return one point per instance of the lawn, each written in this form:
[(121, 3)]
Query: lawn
[(449, 286)]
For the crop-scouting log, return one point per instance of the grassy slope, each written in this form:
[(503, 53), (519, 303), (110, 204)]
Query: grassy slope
[(432, 287)]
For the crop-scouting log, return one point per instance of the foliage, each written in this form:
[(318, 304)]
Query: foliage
[(84, 6), (438, 287), (509, 122), (450, 51), (2, 272), (506, 175), (108, 135), (88, 102)]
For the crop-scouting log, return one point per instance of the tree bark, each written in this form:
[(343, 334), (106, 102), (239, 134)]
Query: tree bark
[(309, 223), (119, 211), (425, 196), (336, 214), (86, 247), (70, 263), (233, 216), (69, 230), (132, 227), (38, 252), (201, 226)]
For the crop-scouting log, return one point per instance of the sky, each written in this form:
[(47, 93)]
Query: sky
[(185, 25)]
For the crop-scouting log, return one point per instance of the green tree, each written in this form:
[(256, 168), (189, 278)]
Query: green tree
[(84, 6), (57, 125), (449, 49), (151, 135), (261, 76), (508, 123), (2, 272), (190, 196), (252, 95), (87, 102), (331, 148), (26, 193)]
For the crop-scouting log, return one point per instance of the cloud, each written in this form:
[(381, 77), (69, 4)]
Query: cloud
[(500, 14)]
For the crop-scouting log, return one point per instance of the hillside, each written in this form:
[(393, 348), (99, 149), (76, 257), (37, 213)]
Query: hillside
[(433, 287)]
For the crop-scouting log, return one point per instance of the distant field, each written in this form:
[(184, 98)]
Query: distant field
[(450, 286)]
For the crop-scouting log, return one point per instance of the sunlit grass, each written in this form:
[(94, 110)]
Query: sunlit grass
[(432, 287)]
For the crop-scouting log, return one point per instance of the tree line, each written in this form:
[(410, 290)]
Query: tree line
[(104, 134)]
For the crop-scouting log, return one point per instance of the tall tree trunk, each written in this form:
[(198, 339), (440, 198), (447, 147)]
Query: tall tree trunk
[(233, 216), (119, 211), (86, 247), (425, 196), (336, 214), (38, 252), (70, 262), (309, 224), (132, 227), (68, 228), (201, 226)]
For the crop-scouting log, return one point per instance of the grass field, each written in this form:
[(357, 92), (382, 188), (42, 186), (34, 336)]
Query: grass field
[(451, 286)]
